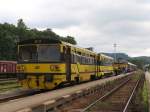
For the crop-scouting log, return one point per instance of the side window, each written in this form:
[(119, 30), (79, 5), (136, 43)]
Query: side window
[(102, 62), (75, 58), (83, 59), (89, 60), (80, 58), (63, 54), (86, 60), (93, 61), (72, 58)]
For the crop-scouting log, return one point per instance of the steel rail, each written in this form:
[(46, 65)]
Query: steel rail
[(131, 96), (104, 96)]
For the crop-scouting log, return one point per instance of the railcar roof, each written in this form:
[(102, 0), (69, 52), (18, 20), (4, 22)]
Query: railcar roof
[(131, 64), (105, 56), (40, 41), (78, 47), (52, 41)]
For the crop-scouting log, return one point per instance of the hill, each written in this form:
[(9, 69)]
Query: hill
[(118, 55), (139, 61)]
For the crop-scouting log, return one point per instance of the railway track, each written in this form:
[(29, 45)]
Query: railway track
[(11, 90), (8, 84), (117, 99), (6, 79), (9, 80)]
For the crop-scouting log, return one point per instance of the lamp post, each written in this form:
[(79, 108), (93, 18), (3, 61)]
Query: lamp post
[(115, 55)]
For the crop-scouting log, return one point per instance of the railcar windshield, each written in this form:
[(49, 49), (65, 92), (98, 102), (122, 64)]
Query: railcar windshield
[(27, 53), (39, 53), (48, 53)]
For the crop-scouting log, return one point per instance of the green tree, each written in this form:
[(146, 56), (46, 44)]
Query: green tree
[(22, 31), (21, 24), (11, 34), (69, 39)]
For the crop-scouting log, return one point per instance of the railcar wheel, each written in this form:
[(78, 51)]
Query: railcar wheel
[(93, 77), (77, 80)]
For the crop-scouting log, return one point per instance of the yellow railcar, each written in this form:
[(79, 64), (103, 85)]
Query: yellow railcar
[(124, 67), (131, 67), (120, 67), (106, 65), (46, 64), (49, 63)]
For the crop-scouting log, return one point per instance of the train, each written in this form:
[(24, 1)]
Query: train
[(7, 69), (124, 67), (49, 63)]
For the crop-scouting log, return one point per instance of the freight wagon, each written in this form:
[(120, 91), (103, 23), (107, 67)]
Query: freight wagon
[(8, 69)]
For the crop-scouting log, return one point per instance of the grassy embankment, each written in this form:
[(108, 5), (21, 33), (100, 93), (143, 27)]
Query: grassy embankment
[(9, 85)]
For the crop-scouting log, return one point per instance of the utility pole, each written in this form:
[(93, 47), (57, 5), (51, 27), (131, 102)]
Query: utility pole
[(115, 54)]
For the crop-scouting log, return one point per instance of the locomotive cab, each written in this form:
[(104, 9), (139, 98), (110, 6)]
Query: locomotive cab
[(41, 64)]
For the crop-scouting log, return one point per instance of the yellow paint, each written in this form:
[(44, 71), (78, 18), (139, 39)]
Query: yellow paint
[(42, 68), (84, 72), (106, 68), (30, 82)]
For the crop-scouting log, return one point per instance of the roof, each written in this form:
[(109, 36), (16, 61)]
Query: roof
[(131, 64), (107, 57), (75, 46), (40, 41), (4, 61), (52, 41)]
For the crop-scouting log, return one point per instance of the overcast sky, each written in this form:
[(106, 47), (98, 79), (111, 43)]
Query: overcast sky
[(96, 23)]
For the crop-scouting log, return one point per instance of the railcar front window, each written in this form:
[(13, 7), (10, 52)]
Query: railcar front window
[(49, 53), (28, 53), (40, 53)]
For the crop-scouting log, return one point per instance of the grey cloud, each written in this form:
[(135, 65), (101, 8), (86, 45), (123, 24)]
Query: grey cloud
[(98, 23)]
